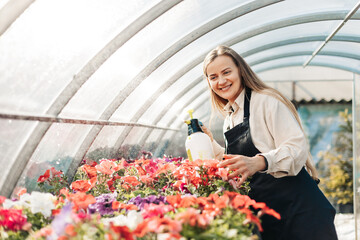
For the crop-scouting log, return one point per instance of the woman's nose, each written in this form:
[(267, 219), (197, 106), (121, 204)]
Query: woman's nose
[(222, 80)]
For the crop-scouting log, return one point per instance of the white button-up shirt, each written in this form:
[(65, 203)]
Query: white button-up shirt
[(274, 131)]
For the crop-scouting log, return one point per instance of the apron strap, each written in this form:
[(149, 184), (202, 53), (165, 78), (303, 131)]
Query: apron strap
[(247, 103)]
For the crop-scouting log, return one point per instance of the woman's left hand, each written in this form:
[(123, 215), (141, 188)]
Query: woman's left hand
[(244, 166)]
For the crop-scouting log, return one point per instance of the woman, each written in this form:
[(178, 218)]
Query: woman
[(265, 141)]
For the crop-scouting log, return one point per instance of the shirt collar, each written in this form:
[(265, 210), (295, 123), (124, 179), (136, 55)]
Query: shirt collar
[(238, 104)]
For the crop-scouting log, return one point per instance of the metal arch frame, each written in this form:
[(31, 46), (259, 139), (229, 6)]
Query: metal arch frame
[(157, 62), (256, 50), (15, 8), (305, 53), (340, 38), (70, 90), (319, 64), (305, 18)]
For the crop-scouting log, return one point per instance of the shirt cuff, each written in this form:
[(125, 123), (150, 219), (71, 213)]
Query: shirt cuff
[(273, 168)]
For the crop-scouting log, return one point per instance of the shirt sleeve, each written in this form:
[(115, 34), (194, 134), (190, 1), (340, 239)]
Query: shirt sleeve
[(218, 150), (291, 148)]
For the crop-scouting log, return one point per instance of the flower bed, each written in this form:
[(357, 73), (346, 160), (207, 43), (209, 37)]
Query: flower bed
[(168, 198)]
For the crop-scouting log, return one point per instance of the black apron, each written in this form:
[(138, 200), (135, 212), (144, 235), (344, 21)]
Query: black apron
[(305, 212)]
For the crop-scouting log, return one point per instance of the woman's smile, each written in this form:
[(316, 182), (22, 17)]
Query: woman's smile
[(224, 78), (226, 87)]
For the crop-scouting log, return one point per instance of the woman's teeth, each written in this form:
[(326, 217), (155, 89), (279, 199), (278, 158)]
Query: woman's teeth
[(226, 88)]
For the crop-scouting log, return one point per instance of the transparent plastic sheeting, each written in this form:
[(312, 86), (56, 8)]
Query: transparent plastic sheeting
[(37, 63), (356, 145), (53, 51)]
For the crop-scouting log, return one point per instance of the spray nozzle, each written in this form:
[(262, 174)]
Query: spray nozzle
[(190, 111)]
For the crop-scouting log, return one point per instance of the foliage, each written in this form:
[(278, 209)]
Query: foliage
[(167, 198), (338, 180)]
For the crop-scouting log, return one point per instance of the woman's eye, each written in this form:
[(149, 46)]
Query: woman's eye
[(227, 72), (213, 78)]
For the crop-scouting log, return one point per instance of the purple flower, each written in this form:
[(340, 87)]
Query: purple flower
[(103, 204), (61, 221), (140, 202)]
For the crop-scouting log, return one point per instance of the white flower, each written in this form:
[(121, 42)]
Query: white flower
[(134, 219), (23, 202), (131, 220), (118, 220), (42, 202)]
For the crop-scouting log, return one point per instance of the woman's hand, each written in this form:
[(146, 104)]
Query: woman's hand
[(207, 132), (243, 166)]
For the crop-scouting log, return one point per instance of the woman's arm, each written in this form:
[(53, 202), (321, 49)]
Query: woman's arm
[(290, 148), (218, 150)]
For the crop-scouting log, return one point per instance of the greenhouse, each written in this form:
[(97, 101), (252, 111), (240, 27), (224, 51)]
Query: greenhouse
[(95, 99)]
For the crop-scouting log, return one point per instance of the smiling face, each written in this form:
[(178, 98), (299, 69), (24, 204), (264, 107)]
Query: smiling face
[(224, 78)]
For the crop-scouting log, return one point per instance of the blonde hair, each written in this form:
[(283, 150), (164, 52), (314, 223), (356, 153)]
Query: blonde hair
[(251, 80)]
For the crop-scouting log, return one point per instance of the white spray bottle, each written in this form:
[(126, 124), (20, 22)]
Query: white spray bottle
[(198, 144)]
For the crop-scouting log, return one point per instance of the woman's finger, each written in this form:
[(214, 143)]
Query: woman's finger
[(227, 162), (243, 178), (234, 174), (237, 165), (228, 156)]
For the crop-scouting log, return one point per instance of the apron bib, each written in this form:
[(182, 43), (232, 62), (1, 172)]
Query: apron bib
[(305, 211)]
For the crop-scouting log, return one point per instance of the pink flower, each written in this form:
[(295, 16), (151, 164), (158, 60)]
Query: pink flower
[(12, 219), (107, 167), (152, 210)]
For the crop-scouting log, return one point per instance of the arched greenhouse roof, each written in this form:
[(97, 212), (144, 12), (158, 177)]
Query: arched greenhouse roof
[(79, 76)]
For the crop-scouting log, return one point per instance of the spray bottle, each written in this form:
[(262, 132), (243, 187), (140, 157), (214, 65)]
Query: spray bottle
[(198, 144)]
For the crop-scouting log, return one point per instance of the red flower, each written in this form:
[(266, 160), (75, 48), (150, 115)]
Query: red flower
[(81, 200), (12, 219), (70, 230), (44, 177), (21, 191), (118, 205), (55, 173), (151, 210), (158, 225), (193, 217), (123, 232), (2, 199), (81, 186), (107, 167), (90, 171)]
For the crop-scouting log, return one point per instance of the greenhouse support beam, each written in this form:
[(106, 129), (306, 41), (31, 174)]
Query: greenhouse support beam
[(356, 151), (340, 38), (70, 90), (347, 17), (295, 64), (54, 119), (11, 11), (304, 53), (309, 80)]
